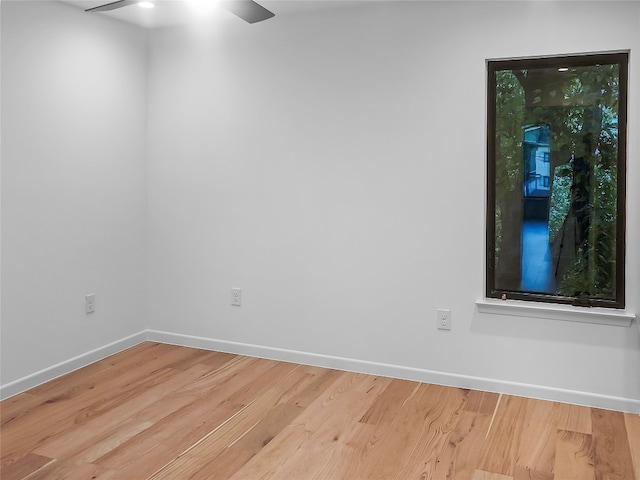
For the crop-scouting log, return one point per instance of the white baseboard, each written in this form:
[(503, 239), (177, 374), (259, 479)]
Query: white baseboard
[(327, 361), (398, 371), (68, 366)]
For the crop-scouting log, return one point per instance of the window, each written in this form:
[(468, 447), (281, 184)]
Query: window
[(556, 159)]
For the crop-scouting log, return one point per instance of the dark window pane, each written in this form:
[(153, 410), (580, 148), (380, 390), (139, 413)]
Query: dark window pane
[(556, 176)]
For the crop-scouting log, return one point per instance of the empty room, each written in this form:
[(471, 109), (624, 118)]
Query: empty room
[(320, 239)]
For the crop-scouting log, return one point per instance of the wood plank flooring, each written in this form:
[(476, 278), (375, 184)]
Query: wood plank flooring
[(158, 411)]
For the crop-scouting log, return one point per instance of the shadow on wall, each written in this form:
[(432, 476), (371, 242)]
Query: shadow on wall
[(556, 331)]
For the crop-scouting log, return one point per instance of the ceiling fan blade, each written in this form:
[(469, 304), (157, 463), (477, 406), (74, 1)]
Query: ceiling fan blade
[(112, 6), (248, 10)]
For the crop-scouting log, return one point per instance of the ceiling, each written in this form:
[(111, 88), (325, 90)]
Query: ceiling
[(179, 12)]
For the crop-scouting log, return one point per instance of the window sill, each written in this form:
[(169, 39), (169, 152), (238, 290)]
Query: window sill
[(601, 316)]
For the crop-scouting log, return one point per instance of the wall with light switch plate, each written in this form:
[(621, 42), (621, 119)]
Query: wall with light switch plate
[(73, 188), (332, 164)]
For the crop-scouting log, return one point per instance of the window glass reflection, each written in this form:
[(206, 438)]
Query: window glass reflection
[(555, 151)]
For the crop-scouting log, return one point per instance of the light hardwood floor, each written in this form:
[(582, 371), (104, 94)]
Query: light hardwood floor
[(158, 411)]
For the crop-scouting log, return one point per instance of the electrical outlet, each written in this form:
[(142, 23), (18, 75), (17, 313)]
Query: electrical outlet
[(90, 303), (444, 319), (236, 296)]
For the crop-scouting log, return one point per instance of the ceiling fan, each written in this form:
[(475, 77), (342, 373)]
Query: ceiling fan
[(247, 10)]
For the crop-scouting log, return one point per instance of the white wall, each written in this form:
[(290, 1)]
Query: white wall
[(73, 184), (332, 166)]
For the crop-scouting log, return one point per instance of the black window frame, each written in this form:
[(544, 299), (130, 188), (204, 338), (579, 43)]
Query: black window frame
[(621, 58)]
